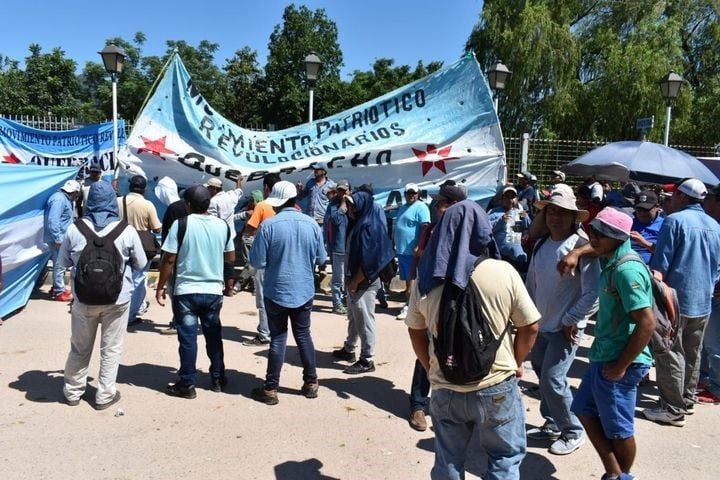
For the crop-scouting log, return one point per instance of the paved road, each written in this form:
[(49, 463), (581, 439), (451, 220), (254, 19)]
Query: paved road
[(356, 429)]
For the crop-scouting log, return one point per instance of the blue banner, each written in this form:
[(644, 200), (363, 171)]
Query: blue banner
[(443, 126), (82, 147), (25, 191)]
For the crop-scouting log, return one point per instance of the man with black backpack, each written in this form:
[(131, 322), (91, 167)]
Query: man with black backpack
[(460, 288), (105, 251)]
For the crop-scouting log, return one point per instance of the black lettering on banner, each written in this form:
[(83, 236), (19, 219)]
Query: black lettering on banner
[(213, 170), (261, 146), (207, 124), (321, 127), (397, 130), (357, 120), (331, 163), (192, 160), (360, 139), (358, 160), (266, 161), (406, 102), (383, 155), (237, 142), (420, 98), (287, 170), (257, 175), (277, 147)]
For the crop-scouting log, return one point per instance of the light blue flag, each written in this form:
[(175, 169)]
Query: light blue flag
[(25, 191)]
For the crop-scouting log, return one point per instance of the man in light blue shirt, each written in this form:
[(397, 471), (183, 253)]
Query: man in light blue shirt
[(687, 254), (288, 246), (194, 250), (316, 191), (413, 218)]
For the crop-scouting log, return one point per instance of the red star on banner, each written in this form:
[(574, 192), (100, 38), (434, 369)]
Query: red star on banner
[(433, 157), (11, 158), (156, 147)]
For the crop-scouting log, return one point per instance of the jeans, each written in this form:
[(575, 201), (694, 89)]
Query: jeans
[(361, 320), (300, 323), (338, 277), (551, 358), (420, 388), (678, 369), (58, 274), (187, 310), (263, 329), (710, 361), (139, 292), (85, 319), (497, 413)]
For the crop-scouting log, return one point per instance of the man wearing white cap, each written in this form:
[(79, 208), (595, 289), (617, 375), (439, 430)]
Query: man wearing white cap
[(413, 218), (222, 205), (59, 212), (687, 254), (288, 246)]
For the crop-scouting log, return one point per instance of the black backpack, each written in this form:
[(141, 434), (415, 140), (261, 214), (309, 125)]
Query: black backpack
[(99, 271), (666, 308), (465, 345)]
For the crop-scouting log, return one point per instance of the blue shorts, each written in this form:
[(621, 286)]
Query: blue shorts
[(405, 263), (612, 402)]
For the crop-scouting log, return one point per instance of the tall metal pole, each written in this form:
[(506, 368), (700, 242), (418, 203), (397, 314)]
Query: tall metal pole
[(495, 102), (310, 104), (668, 112), (116, 173)]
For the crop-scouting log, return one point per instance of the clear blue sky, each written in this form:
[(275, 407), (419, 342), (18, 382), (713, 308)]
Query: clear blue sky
[(406, 30)]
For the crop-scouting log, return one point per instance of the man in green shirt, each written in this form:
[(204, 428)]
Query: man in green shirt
[(619, 356)]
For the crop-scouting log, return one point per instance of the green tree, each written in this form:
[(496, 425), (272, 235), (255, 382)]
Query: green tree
[(50, 83), (302, 32), (246, 84), (13, 96)]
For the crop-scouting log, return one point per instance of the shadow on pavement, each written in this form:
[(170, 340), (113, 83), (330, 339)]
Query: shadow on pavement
[(376, 391), (308, 470), (41, 386)]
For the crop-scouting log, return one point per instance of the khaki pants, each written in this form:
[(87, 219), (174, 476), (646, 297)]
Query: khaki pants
[(112, 320)]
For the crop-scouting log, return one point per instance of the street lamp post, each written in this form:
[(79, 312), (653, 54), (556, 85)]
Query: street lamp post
[(670, 87), (498, 76), (114, 58), (312, 69)]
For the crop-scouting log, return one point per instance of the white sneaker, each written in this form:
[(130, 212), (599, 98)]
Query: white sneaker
[(403, 313), (143, 308), (566, 446), (660, 415)]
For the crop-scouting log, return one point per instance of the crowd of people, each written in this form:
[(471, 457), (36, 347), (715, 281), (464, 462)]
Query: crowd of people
[(547, 262)]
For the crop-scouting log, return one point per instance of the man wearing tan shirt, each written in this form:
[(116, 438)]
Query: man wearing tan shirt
[(142, 215), (460, 251)]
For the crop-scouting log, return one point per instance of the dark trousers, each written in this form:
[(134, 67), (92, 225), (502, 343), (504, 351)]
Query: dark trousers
[(300, 324)]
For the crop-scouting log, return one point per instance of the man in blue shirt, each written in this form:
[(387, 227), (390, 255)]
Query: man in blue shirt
[(334, 230), (58, 217), (413, 218), (646, 224), (687, 254), (288, 246), (316, 190), (198, 261)]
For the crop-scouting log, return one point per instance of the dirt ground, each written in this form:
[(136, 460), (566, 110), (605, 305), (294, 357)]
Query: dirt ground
[(356, 429)]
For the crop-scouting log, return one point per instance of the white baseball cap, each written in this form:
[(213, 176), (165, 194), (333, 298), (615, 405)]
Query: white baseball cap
[(214, 182), (412, 187), (692, 187), (281, 192), (71, 186)]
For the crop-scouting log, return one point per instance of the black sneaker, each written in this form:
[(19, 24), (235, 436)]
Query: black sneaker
[(180, 390), (383, 304), (218, 384), (103, 406), (256, 342), (268, 397), (343, 354), (361, 366), (310, 389)]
